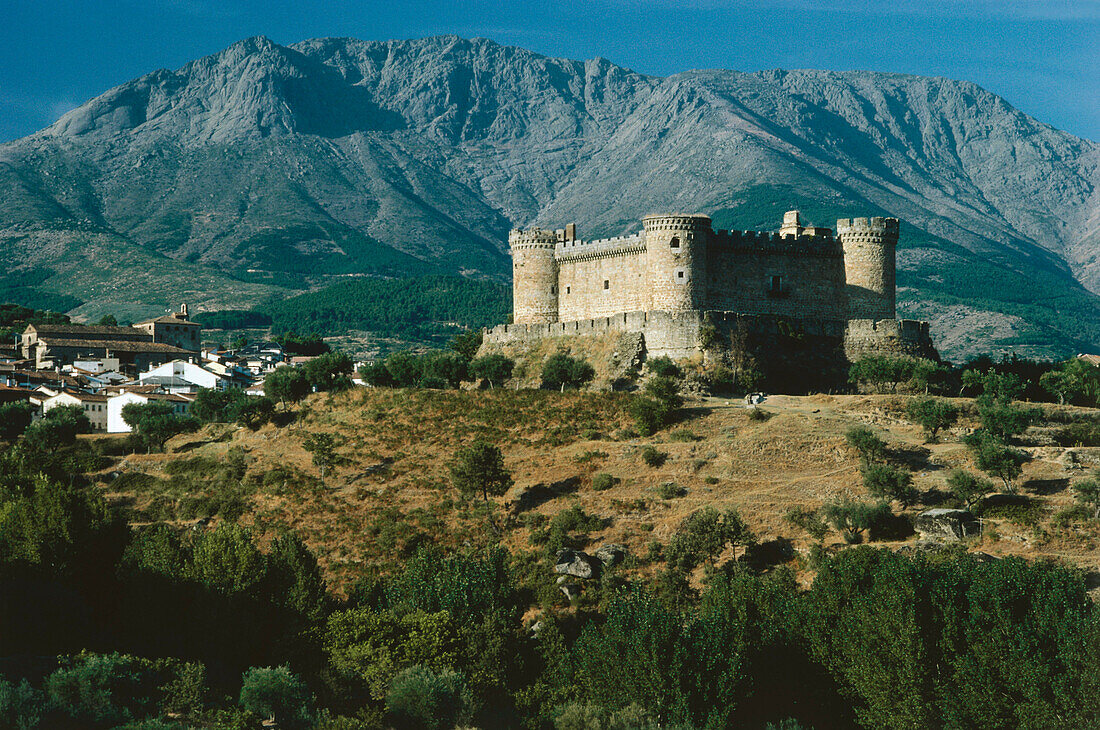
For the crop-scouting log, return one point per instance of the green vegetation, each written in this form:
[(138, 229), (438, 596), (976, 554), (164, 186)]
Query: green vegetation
[(653, 457), (156, 421), (561, 372), (232, 319), (658, 405), (933, 415), (888, 482), (704, 534), (426, 308)]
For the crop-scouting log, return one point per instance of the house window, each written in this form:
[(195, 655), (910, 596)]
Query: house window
[(606, 283), (674, 243)]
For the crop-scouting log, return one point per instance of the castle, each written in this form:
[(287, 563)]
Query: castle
[(678, 275)]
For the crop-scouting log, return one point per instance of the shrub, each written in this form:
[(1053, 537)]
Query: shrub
[(602, 482), (420, 698), (759, 415), (1080, 433), (1087, 493), (664, 367), (671, 490), (652, 457), (809, 520), (14, 419), (560, 531), (277, 693), (683, 435), (649, 415)]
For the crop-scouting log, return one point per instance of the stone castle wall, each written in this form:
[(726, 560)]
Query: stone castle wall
[(679, 263)]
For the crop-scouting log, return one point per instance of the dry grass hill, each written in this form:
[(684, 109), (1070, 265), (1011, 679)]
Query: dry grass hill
[(391, 490)]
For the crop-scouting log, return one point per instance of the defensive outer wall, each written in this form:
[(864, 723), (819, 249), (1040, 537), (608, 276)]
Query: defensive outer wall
[(680, 284)]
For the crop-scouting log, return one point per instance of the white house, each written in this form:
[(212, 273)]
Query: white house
[(115, 404), (177, 374), (95, 406)]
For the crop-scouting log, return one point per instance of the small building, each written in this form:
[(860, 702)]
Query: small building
[(55, 345), (117, 424), (95, 406), (174, 329), (181, 374)]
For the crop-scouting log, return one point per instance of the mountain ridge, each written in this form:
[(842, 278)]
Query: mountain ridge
[(272, 168)]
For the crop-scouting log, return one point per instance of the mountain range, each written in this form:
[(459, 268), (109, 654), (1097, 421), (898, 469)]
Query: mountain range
[(264, 170)]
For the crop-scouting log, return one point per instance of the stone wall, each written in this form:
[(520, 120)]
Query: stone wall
[(600, 278)]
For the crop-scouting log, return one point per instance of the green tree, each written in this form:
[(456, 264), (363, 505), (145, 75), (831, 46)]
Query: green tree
[(996, 458), (704, 534), (107, 320), (866, 443), (22, 707), (466, 343), (322, 446), (14, 419), (420, 698), (494, 368), (57, 429), (443, 369), (880, 371), (63, 530), (405, 368), (278, 694), (286, 383), (967, 488), (226, 561), (479, 469), (560, 371), (253, 411), (330, 371), (157, 421), (886, 482), (657, 408), (851, 518), (377, 375), (1003, 418), (367, 648), (933, 415), (295, 578)]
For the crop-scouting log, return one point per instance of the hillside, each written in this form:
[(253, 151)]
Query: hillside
[(392, 491), (264, 170)]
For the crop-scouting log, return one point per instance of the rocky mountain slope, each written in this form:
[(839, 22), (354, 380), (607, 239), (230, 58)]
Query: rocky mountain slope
[(265, 168)]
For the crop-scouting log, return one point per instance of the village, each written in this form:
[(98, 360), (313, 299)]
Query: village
[(103, 368)]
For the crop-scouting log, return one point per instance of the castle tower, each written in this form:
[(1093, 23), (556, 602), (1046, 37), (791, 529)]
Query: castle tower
[(534, 276), (676, 261), (870, 246)]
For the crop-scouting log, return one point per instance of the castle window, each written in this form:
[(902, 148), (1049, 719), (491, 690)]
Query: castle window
[(567, 289), (776, 290), (606, 283), (674, 243), (553, 289)]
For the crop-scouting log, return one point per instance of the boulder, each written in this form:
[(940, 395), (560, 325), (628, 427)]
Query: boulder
[(946, 524), (611, 554), (577, 564)]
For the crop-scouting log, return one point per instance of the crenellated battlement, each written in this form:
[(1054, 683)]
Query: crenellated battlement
[(600, 248), (778, 243), (877, 225)]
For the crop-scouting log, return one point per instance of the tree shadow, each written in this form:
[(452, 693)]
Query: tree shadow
[(539, 494), (1045, 487)]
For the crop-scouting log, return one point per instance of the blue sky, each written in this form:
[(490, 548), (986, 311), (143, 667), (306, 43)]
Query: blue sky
[(1043, 56)]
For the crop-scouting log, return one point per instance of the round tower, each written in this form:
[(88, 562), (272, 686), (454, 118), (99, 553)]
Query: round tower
[(534, 276), (870, 246), (676, 261)]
